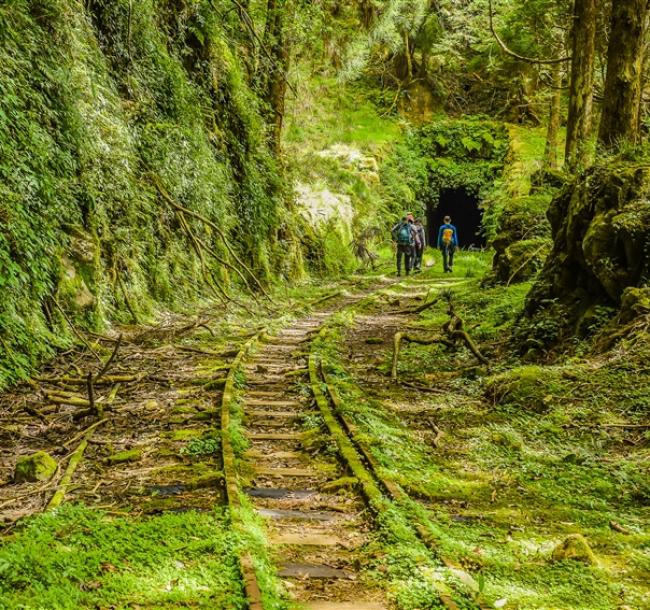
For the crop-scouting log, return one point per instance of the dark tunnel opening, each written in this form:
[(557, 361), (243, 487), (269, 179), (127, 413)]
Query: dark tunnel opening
[(465, 213)]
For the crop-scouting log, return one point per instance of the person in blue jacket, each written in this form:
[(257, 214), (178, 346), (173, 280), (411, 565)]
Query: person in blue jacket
[(447, 243)]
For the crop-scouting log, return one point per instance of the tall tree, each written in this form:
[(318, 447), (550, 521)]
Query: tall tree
[(273, 67), (579, 119), (554, 120), (622, 95)]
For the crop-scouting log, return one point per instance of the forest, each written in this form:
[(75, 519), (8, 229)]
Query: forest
[(328, 305)]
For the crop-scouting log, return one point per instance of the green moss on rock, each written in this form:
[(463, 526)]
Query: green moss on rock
[(39, 466), (574, 548)]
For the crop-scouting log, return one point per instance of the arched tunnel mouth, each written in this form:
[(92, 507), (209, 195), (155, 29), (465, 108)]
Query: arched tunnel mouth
[(464, 209)]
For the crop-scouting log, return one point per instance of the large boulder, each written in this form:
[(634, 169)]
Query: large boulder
[(39, 466), (601, 244)]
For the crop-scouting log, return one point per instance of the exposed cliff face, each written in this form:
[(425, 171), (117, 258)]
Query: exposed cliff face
[(105, 107), (601, 250)]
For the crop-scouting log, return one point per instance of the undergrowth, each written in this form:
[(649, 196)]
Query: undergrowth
[(529, 454), (77, 557)]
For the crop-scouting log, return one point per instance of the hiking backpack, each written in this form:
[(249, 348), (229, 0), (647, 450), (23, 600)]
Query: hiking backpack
[(404, 234), (447, 236)]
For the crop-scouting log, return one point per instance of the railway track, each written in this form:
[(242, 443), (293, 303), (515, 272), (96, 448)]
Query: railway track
[(315, 533)]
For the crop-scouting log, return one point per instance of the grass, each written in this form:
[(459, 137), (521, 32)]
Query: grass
[(526, 459), (330, 113), (82, 558)]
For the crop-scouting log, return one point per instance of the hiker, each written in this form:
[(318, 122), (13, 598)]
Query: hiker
[(447, 243), (420, 244), (404, 236)]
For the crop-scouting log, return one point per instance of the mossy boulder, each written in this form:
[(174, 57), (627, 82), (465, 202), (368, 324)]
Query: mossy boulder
[(574, 548), (530, 387), (548, 178), (523, 239), (601, 231), (522, 259), (39, 466), (635, 302)]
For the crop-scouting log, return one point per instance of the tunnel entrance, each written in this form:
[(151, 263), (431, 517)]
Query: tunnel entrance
[(465, 213)]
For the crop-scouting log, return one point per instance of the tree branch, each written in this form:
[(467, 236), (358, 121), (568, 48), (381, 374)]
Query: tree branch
[(508, 51)]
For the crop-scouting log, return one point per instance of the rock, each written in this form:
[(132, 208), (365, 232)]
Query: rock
[(523, 240), (74, 286), (544, 178), (635, 302), (575, 548), (600, 225), (39, 466)]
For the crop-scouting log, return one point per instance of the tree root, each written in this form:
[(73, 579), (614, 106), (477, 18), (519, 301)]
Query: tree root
[(168, 198), (453, 330)]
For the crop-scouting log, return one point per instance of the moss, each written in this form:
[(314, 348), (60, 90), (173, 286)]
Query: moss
[(183, 435), (574, 548), (533, 388), (39, 466), (130, 455), (91, 121), (342, 484)]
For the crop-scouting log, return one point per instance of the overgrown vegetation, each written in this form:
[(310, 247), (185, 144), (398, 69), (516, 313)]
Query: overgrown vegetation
[(525, 455), (82, 558), (103, 107)]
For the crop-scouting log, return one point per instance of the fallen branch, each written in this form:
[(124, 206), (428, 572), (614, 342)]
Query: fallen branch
[(98, 409), (420, 308), (422, 388), (399, 338), (75, 460), (435, 441), (85, 432), (105, 380), (454, 331), (106, 366)]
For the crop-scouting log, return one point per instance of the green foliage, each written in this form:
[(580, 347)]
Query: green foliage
[(80, 558), (96, 99), (446, 153), (199, 447)]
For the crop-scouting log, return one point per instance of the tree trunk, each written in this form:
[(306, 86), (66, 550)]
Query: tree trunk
[(622, 96), (550, 154), (273, 69), (582, 81)]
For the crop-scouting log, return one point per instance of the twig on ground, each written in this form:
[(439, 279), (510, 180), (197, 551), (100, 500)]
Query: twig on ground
[(106, 366)]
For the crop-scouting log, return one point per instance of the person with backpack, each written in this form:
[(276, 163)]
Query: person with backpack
[(420, 244), (447, 244), (404, 236)]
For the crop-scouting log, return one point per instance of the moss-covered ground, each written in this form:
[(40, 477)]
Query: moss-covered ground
[(77, 557), (528, 454)]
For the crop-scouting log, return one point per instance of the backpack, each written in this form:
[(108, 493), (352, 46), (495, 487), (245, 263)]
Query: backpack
[(447, 236), (404, 234)]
